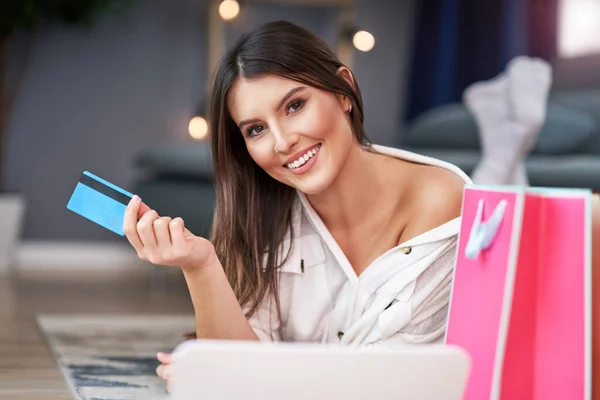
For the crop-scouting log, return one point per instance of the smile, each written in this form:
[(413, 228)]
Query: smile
[(303, 159)]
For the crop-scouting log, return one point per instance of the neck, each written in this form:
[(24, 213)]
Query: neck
[(358, 188)]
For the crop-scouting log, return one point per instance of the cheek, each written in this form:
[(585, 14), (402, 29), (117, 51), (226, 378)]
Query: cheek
[(262, 153), (322, 122)]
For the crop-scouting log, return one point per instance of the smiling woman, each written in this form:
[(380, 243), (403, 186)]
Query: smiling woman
[(274, 140), (318, 235)]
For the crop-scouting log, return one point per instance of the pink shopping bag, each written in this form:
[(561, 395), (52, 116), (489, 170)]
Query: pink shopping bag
[(521, 295)]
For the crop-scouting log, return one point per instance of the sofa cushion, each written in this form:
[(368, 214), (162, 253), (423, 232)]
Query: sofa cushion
[(452, 126), (584, 100), (449, 126), (186, 159), (572, 171), (565, 131)]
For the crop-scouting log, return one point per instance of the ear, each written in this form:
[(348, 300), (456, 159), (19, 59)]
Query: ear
[(346, 75)]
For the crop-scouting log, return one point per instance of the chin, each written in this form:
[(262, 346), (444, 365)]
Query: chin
[(314, 189), (314, 183)]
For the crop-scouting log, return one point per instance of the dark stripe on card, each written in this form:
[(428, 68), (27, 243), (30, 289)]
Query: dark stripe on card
[(102, 188)]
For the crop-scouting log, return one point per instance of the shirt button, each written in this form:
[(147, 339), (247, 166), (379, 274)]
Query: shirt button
[(406, 250), (340, 335)]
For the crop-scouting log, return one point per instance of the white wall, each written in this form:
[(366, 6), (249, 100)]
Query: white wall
[(92, 99), (383, 72)]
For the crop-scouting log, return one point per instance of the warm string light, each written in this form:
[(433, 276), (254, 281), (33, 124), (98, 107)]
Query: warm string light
[(198, 128), (363, 40), (229, 9)]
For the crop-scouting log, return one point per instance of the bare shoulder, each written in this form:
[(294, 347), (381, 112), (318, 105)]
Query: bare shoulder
[(435, 198)]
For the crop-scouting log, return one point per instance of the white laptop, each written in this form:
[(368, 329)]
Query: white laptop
[(223, 370)]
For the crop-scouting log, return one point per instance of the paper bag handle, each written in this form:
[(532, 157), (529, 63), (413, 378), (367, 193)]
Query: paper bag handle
[(483, 232)]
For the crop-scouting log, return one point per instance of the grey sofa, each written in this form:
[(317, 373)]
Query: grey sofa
[(177, 179), (567, 153)]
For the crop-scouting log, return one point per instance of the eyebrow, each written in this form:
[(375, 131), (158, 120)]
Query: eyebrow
[(289, 94)]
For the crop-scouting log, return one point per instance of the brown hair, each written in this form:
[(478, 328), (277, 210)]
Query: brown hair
[(253, 211)]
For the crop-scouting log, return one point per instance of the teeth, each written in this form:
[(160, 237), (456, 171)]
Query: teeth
[(303, 159)]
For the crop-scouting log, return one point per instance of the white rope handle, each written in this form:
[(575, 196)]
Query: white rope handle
[(483, 232)]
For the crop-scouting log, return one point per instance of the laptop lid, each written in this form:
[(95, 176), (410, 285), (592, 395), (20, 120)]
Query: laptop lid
[(208, 370)]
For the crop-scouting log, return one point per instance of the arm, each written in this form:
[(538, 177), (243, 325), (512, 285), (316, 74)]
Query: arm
[(218, 313), (166, 241)]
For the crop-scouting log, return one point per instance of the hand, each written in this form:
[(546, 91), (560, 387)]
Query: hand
[(163, 240), (165, 369)]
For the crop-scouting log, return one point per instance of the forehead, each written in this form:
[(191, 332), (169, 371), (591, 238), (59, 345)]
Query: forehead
[(251, 96)]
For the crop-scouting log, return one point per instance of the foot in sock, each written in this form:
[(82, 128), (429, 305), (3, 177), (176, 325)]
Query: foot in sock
[(510, 111), (519, 175), (529, 84), (488, 102)]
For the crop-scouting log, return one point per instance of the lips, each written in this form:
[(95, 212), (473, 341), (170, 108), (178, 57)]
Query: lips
[(302, 157)]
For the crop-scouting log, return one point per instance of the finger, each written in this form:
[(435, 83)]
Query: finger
[(164, 371), (177, 228), (142, 210), (145, 228), (130, 221), (164, 358), (162, 233), (159, 370), (168, 372)]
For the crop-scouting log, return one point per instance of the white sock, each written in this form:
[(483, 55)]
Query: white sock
[(510, 111), (519, 175), (529, 84), (488, 103)]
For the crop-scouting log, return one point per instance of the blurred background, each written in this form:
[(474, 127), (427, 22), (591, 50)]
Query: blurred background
[(119, 88)]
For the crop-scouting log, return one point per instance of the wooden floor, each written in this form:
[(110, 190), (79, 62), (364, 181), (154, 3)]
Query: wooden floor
[(27, 369)]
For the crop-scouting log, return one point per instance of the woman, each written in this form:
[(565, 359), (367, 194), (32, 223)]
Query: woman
[(318, 235)]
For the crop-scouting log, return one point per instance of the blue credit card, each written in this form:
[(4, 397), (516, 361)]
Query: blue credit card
[(100, 201)]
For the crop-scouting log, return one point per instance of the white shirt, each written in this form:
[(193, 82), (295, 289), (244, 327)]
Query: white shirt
[(401, 297)]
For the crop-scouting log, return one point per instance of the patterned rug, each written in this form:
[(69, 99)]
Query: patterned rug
[(113, 357)]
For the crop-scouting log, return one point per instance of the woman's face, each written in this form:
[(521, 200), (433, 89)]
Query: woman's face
[(298, 134)]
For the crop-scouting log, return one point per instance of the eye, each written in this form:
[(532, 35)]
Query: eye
[(254, 130), (295, 106)]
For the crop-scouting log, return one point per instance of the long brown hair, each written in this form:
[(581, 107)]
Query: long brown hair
[(253, 211)]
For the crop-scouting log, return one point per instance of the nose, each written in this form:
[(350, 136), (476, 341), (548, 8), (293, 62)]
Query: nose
[(284, 141)]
